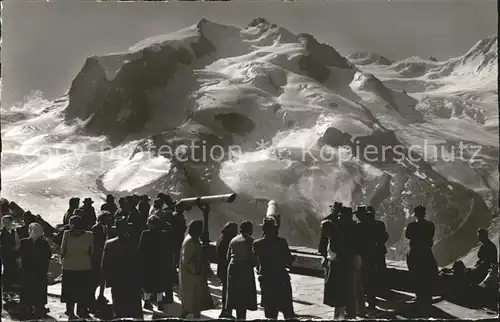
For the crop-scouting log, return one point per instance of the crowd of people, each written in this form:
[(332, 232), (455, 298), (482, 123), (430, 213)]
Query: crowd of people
[(354, 259), (142, 251)]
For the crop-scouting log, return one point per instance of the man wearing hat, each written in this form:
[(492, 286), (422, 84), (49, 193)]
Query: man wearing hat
[(420, 260), (350, 258), (121, 271), (109, 205), (28, 218), (374, 236), (74, 203), (88, 214), (123, 209), (273, 259), (333, 218)]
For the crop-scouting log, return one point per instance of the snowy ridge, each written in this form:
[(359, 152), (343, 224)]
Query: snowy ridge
[(274, 95)]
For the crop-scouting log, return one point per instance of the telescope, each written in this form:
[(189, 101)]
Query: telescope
[(187, 203)]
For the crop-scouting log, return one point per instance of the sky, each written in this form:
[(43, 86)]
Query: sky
[(45, 44)]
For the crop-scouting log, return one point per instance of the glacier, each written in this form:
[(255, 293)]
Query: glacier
[(295, 108)]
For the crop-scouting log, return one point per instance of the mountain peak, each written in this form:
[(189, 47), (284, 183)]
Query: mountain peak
[(259, 22), (487, 45), (202, 22)]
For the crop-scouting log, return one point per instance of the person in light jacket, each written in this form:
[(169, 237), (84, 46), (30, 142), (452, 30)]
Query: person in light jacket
[(77, 251), (193, 276)]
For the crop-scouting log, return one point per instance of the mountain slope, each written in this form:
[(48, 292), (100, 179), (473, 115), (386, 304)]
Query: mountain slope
[(274, 115)]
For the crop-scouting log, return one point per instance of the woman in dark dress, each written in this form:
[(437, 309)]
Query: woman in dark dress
[(9, 245), (335, 269), (229, 231), (35, 258), (241, 289), (157, 258), (101, 234)]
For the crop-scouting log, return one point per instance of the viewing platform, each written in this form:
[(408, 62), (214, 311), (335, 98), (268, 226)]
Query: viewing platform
[(307, 285)]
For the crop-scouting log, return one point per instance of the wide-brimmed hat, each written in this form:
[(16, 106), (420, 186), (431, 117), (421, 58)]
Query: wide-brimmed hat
[(360, 209), (86, 200), (346, 211), (419, 208), (110, 197), (269, 221)]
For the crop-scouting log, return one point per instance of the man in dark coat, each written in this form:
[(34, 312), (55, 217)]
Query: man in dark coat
[(123, 209), (323, 240), (9, 245), (144, 208), (121, 271), (335, 289), (88, 215), (35, 258), (179, 228), (373, 237), (420, 260), (487, 258), (100, 232), (138, 223), (157, 258), (229, 231), (74, 203), (23, 231), (273, 259), (349, 253), (110, 205)]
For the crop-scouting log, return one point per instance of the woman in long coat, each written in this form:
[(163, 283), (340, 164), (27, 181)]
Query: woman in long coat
[(157, 258), (336, 270), (241, 289), (35, 258), (229, 231), (194, 292)]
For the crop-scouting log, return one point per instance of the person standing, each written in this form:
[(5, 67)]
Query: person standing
[(241, 289), (109, 205), (179, 231), (144, 208), (324, 240), (273, 258), (88, 215), (137, 221), (35, 255), (101, 235), (74, 204), (420, 259), (157, 206), (77, 253), (370, 239), (335, 289), (229, 231), (157, 257), (380, 236), (123, 210), (9, 246), (193, 283), (121, 271), (350, 256), (28, 218)]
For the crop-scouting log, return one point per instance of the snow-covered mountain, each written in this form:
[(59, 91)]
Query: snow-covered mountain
[(293, 107)]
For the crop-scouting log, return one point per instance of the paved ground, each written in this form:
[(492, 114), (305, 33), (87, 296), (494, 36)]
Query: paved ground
[(308, 297)]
